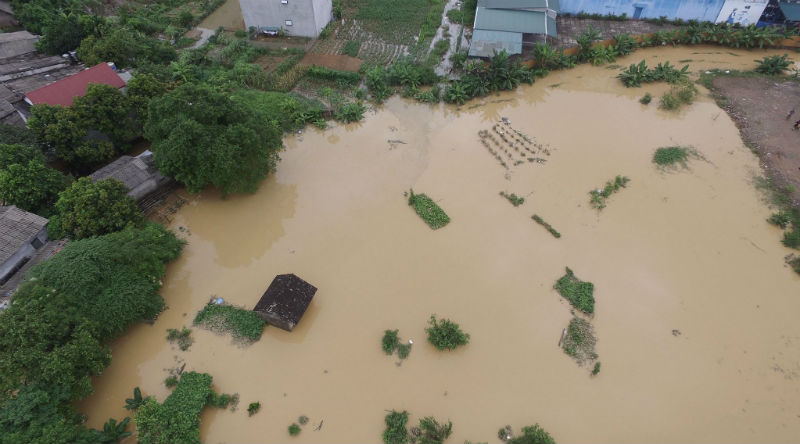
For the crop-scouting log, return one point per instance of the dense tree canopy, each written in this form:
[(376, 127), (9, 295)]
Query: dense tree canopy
[(89, 208), (64, 31), (142, 88), (80, 299), (202, 137), (125, 47), (106, 109), (16, 135), (25, 180)]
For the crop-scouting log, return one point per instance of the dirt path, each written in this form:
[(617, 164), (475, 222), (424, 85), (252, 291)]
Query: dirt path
[(446, 65), (761, 108)]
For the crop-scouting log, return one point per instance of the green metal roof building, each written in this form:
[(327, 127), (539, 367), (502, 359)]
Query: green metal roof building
[(500, 24)]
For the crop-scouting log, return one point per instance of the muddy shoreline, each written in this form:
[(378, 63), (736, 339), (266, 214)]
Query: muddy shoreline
[(760, 106)]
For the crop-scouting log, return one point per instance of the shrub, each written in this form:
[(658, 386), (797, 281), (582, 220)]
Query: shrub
[(403, 350), (350, 112), (221, 401), (351, 48), (781, 219), (532, 435), (445, 334), (773, 65), (303, 420), (253, 408), (396, 432), (455, 15), (390, 341), (294, 429), (794, 262), (596, 369), (513, 198), (791, 238), (171, 381), (89, 208), (441, 47), (646, 99), (580, 341), (600, 195), (428, 210), (178, 418), (182, 337), (579, 293), (135, 402), (243, 324), (431, 432), (547, 226), (672, 156)]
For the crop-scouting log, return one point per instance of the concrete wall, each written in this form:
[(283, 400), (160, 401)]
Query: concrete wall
[(25, 251), (703, 10), (308, 16)]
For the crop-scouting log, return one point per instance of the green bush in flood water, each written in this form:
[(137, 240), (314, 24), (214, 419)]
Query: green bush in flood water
[(178, 418), (579, 293), (580, 340), (294, 429), (677, 97), (396, 432), (242, 324), (672, 156), (253, 408), (513, 198), (599, 196), (547, 226), (445, 334), (530, 435), (182, 337), (427, 209)]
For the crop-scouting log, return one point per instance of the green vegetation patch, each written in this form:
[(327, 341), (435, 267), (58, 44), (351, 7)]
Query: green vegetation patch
[(579, 293), (178, 418), (636, 74), (395, 431), (678, 96), (253, 408), (674, 156), (773, 65), (600, 195), (428, 210), (513, 198), (429, 431), (391, 342), (244, 325), (183, 337), (351, 48), (547, 226), (530, 435), (445, 334), (580, 341), (646, 99)]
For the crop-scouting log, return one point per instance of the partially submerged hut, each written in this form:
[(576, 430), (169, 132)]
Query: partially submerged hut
[(285, 301)]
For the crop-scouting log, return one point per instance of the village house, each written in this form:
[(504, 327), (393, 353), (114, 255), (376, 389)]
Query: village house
[(505, 25), (744, 12), (301, 18), (63, 92), (21, 234), (139, 174)]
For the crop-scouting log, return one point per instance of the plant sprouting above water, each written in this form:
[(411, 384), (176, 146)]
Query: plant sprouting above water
[(547, 226), (773, 65), (579, 341), (445, 334), (391, 342), (253, 408), (579, 293), (513, 198), (428, 210), (600, 195), (674, 156), (182, 337)]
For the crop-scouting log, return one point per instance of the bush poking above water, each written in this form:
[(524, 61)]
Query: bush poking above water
[(294, 429), (773, 65), (599, 196), (579, 293), (677, 97), (673, 156), (445, 334), (430, 431), (390, 341), (395, 432), (243, 324), (513, 198), (530, 435), (646, 99), (253, 408), (182, 337), (547, 226), (427, 209), (580, 341)]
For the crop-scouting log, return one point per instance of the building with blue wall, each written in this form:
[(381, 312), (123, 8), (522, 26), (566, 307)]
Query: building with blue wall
[(702, 10)]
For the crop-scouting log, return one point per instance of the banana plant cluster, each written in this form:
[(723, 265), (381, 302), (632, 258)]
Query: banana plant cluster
[(639, 73), (501, 73)]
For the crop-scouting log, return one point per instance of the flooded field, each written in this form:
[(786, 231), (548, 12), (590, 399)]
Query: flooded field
[(687, 250)]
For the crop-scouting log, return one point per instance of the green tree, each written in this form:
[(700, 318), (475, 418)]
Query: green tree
[(89, 208), (125, 47), (202, 137), (142, 88), (72, 305), (31, 185), (61, 130), (16, 135), (64, 31), (107, 110)]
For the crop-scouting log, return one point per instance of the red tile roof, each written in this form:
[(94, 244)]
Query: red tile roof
[(64, 91)]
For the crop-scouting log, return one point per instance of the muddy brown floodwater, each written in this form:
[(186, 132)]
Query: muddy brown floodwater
[(687, 251)]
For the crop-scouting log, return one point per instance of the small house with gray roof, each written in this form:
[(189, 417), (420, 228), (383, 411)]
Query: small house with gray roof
[(21, 234), (505, 25), (139, 174)]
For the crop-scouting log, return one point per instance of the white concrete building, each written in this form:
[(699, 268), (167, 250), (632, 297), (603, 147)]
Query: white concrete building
[(302, 18)]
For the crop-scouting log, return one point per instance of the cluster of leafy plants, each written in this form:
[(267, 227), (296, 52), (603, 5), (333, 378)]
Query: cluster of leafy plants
[(429, 431), (428, 210), (391, 342), (773, 65), (445, 334), (674, 156), (547, 226), (600, 195), (646, 99), (580, 341), (242, 324), (530, 435), (182, 337), (25, 179), (501, 73), (636, 74), (678, 96), (579, 293), (351, 48), (788, 219), (63, 316), (321, 72), (253, 408), (513, 198)]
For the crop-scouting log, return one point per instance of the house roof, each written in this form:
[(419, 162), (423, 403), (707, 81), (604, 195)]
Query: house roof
[(485, 43), (17, 228), (512, 20), (519, 4), (137, 173), (64, 91), (16, 36), (790, 10), (285, 301)]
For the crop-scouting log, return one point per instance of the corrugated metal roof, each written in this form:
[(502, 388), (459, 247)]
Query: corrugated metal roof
[(17, 228), (64, 91), (513, 4), (790, 10), (16, 36), (485, 43), (531, 22)]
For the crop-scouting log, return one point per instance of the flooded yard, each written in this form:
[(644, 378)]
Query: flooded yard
[(687, 250)]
